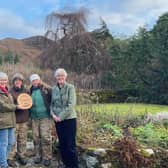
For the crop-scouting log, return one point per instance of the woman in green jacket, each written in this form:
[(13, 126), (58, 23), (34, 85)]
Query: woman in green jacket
[(63, 112), (7, 120)]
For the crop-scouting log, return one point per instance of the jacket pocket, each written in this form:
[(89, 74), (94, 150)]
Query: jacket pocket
[(7, 119)]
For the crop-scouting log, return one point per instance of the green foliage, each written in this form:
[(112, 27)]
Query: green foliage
[(16, 59), (111, 96), (119, 69), (152, 135), (1, 60), (102, 35), (107, 96), (114, 129), (160, 53), (8, 57), (146, 131), (140, 63)]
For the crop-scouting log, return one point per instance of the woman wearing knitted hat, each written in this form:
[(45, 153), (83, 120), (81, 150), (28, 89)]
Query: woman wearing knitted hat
[(7, 120), (41, 120), (22, 117)]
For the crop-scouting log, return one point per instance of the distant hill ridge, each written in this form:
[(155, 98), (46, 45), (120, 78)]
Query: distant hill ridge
[(28, 49)]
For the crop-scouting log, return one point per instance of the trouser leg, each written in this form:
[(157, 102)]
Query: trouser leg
[(11, 140), (22, 139), (13, 149), (46, 139), (3, 147), (36, 138), (66, 131)]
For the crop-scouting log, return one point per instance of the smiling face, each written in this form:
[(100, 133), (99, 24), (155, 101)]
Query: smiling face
[(3, 82), (61, 79), (36, 82), (18, 83)]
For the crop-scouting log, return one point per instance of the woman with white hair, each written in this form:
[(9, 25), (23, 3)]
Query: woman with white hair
[(63, 112), (7, 120)]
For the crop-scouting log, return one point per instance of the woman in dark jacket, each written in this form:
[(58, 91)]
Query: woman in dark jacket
[(22, 117)]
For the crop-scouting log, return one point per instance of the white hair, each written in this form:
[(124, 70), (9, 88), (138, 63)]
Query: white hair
[(3, 76), (60, 71)]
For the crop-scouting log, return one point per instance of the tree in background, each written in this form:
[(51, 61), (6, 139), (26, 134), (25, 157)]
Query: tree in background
[(102, 34), (160, 57), (141, 63), (8, 57), (148, 60), (62, 24), (1, 60), (74, 48), (16, 59), (137, 64)]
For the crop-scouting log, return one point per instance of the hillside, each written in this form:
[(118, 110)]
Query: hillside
[(27, 49), (39, 42)]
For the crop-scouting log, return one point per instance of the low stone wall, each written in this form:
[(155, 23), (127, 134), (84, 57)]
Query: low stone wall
[(88, 157), (95, 158)]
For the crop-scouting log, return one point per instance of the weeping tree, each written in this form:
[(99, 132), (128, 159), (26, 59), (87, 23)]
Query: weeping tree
[(74, 48), (62, 24)]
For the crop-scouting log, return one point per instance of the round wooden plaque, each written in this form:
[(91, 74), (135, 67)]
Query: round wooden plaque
[(25, 101)]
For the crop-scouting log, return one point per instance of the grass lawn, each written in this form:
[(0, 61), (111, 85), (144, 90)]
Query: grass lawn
[(124, 108)]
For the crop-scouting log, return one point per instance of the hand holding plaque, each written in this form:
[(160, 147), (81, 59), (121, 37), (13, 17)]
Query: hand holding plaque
[(24, 101)]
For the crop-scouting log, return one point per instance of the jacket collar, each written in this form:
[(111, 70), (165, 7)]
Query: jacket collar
[(2, 93), (62, 87)]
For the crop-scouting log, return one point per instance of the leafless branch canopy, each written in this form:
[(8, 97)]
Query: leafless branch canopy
[(62, 24)]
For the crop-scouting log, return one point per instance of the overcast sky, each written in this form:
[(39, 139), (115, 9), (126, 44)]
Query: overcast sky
[(25, 18)]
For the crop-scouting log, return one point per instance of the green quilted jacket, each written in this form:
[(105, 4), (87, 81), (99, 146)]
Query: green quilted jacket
[(7, 111), (63, 101)]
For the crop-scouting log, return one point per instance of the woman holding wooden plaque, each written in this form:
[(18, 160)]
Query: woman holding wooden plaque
[(20, 96)]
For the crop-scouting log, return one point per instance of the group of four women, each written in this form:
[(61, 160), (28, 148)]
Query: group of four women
[(57, 103)]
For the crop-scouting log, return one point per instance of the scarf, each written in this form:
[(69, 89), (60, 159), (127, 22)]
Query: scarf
[(34, 88), (16, 89), (4, 90)]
